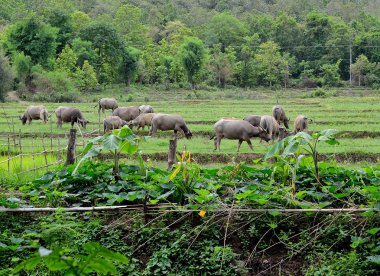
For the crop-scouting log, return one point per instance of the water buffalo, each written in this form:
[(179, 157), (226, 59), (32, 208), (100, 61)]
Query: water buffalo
[(34, 113), (279, 114), (107, 103), (300, 123), (270, 125), (253, 120), (169, 122), (127, 113), (146, 109), (70, 115), (144, 119), (235, 129), (113, 122)]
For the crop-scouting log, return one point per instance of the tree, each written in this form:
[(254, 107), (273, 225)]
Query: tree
[(66, 61), (226, 30), (6, 76), (128, 66), (287, 33), (79, 20), (330, 74), (128, 22), (223, 64), (23, 65), (61, 20), (192, 55), (367, 43), (107, 45), (359, 70), (270, 65), (261, 24), (86, 77), (84, 51), (33, 37)]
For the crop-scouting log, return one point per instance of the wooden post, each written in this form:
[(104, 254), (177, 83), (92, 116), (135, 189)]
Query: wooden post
[(19, 143), (71, 147), (59, 148), (34, 160), (172, 152), (9, 153), (44, 148)]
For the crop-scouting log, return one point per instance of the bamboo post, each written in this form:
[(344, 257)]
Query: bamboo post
[(59, 148), (20, 146), (9, 153), (44, 148), (172, 152), (33, 158), (71, 147), (51, 135)]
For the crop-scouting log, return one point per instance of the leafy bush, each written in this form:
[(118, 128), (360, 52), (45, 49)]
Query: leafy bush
[(53, 86)]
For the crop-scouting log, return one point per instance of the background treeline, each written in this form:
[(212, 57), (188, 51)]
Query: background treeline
[(56, 48)]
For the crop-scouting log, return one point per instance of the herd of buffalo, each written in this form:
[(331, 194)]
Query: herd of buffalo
[(265, 127)]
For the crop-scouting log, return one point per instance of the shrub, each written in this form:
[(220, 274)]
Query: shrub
[(53, 87)]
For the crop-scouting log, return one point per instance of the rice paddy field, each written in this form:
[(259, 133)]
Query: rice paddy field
[(355, 113)]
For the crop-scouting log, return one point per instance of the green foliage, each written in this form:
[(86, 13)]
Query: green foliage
[(86, 77), (66, 61), (330, 74), (6, 75), (129, 64), (34, 38), (22, 65), (107, 45), (53, 86), (226, 30), (61, 20), (98, 260), (269, 64), (192, 55)]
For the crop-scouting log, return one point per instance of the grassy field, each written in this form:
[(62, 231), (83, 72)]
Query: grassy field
[(356, 114)]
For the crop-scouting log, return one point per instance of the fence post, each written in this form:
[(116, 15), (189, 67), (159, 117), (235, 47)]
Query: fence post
[(172, 152), (19, 142), (71, 147), (9, 153)]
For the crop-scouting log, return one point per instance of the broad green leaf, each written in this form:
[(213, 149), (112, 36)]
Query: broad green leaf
[(373, 231), (111, 142), (274, 150), (101, 266), (125, 131), (29, 264), (165, 195)]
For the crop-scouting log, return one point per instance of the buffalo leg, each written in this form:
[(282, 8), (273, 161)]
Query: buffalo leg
[(250, 144), (239, 144)]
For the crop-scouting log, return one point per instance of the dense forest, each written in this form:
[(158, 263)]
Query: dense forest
[(57, 48)]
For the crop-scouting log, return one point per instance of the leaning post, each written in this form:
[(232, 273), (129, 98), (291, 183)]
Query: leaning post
[(172, 152), (71, 147)]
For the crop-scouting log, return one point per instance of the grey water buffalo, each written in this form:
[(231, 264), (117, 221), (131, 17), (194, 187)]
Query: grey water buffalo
[(113, 122), (71, 115), (235, 129), (169, 122), (300, 124), (279, 114), (270, 125), (33, 112), (146, 109), (144, 119), (253, 120), (107, 103), (127, 113)]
